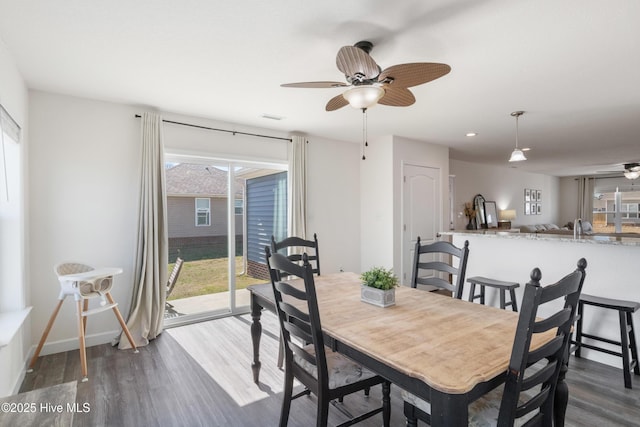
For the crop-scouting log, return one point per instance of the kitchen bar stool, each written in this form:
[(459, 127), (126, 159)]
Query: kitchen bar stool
[(501, 286), (627, 341)]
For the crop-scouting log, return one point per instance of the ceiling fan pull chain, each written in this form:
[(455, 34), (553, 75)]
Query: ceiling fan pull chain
[(364, 132)]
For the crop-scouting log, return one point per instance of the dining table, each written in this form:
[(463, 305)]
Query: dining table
[(446, 351)]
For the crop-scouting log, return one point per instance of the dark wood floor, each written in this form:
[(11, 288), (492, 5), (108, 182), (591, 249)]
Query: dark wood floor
[(210, 384)]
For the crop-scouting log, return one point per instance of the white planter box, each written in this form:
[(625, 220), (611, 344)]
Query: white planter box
[(378, 296)]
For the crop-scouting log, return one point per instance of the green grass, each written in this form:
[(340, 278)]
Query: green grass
[(208, 276)]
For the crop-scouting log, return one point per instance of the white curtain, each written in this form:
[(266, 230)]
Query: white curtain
[(298, 187), (585, 198), (149, 293)]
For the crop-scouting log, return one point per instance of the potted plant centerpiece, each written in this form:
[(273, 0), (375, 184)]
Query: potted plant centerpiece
[(378, 287)]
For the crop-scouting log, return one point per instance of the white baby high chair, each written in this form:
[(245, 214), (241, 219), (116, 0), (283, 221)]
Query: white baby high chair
[(83, 283)]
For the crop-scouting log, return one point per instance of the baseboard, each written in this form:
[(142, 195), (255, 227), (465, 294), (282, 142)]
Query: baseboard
[(73, 343), (20, 379)]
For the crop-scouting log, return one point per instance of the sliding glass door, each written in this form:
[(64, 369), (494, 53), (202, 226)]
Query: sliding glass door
[(220, 217)]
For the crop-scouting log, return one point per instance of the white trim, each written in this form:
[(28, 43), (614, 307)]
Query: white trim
[(10, 324), (69, 344)]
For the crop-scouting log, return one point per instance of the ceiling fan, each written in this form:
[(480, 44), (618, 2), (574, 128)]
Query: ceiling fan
[(631, 170), (368, 84)]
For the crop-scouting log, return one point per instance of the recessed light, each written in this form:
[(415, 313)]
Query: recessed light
[(472, 134)]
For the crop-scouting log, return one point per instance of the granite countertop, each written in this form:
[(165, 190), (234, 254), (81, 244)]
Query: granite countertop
[(507, 234)]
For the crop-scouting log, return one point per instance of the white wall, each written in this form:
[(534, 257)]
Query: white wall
[(84, 166), (14, 293), (505, 186), (84, 183), (334, 202), (568, 210), (376, 204)]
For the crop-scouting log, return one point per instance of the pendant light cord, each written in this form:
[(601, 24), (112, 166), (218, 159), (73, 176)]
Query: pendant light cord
[(517, 130)]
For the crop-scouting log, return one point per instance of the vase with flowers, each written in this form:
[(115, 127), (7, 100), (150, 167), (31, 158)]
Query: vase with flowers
[(470, 213)]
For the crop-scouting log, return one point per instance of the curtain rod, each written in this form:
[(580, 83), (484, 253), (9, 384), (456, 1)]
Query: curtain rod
[(221, 130)]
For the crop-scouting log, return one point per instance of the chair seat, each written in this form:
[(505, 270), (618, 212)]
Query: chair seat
[(483, 412), (342, 370)]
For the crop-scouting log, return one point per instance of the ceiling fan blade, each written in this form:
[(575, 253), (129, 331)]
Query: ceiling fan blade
[(320, 85), (336, 102), (352, 60), (417, 73), (397, 97)]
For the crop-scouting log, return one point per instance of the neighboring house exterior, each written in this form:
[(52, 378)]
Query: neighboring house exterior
[(266, 216), (197, 211), (197, 201)]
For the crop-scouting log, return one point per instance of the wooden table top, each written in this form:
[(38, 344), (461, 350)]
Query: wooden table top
[(450, 344)]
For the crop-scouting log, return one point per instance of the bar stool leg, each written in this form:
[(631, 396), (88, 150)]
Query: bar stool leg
[(502, 299), (514, 304), (578, 352), (632, 344), (472, 292), (624, 335)]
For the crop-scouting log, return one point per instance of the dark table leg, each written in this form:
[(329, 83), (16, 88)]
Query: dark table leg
[(449, 409), (256, 332), (561, 399)]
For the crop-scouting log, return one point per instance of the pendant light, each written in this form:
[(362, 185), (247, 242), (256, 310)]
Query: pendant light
[(517, 155)]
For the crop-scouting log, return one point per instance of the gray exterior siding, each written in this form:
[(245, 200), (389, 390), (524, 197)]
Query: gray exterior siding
[(263, 219), (181, 213)]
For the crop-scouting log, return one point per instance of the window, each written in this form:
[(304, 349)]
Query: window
[(11, 216), (239, 206), (203, 212)]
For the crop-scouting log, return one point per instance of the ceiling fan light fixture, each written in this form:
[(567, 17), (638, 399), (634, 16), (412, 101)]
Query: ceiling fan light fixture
[(363, 96), (631, 174), (517, 155)]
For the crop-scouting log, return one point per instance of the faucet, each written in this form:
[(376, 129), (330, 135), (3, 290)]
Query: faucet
[(577, 228)]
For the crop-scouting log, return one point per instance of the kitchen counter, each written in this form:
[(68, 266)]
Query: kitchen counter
[(613, 269), (585, 238)]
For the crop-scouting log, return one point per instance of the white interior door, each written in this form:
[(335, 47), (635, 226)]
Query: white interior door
[(421, 210)]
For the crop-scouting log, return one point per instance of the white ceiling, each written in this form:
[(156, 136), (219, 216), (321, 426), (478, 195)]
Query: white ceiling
[(572, 65)]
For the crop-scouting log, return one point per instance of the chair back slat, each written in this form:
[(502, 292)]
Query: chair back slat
[(292, 291), (547, 350), (293, 247), (437, 282), (173, 277), (553, 321), (539, 377), (435, 263), (525, 373)]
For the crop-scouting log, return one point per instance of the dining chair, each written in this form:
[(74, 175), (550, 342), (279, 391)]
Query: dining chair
[(173, 277), (327, 374), (293, 247), (432, 261), (527, 397)]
